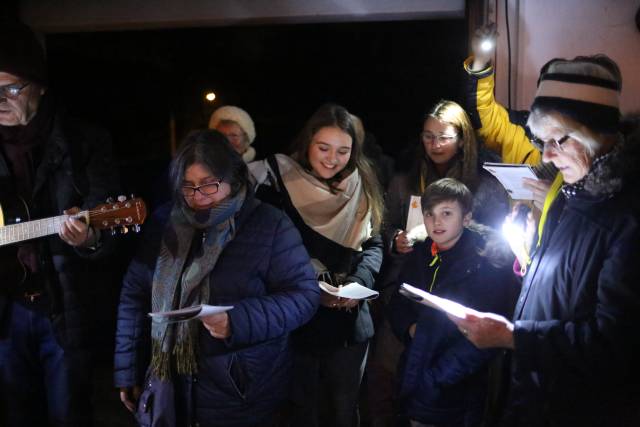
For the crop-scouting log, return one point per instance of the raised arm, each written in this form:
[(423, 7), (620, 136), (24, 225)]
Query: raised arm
[(503, 131)]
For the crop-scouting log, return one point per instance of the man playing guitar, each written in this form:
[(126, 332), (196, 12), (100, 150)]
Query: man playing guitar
[(49, 162)]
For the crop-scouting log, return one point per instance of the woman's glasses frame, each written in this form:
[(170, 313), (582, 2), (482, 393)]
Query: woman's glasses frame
[(208, 189), (555, 144), (430, 138)]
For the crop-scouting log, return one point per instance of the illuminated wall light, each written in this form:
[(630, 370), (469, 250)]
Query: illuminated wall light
[(210, 96)]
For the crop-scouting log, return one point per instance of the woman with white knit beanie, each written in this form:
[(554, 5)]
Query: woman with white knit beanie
[(236, 124)]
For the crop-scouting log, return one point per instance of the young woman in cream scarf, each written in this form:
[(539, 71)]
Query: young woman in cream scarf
[(330, 191)]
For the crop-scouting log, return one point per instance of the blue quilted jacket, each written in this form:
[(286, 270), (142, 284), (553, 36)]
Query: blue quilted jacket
[(264, 272)]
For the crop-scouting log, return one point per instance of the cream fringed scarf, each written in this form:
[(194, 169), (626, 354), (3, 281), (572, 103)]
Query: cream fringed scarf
[(342, 217)]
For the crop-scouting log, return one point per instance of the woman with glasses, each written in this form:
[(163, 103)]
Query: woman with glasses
[(447, 149), (329, 190), (237, 125), (214, 244), (574, 339)]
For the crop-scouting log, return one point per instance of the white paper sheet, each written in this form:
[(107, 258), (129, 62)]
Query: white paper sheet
[(510, 176), (189, 313), (446, 305), (352, 291), (414, 214)]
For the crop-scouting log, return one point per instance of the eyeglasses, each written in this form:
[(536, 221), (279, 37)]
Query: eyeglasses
[(234, 136), (430, 138), (204, 189), (12, 91), (556, 144)]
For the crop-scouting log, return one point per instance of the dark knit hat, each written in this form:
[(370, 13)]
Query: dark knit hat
[(21, 54), (585, 89)]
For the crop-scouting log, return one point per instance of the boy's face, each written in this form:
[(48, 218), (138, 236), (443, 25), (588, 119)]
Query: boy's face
[(445, 223)]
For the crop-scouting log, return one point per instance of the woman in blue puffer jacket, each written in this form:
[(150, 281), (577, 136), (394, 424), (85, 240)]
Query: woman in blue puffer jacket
[(215, 244)]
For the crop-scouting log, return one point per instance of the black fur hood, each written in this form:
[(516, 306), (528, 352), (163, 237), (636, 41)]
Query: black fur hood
[(620, 170)]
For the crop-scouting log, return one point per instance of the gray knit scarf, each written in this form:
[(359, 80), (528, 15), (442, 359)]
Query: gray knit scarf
[(180, 279)]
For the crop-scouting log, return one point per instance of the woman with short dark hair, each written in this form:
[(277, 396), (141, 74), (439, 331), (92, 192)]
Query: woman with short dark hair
[(214, 244)]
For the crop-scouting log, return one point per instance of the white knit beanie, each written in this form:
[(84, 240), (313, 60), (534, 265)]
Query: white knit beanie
[(234, 114)]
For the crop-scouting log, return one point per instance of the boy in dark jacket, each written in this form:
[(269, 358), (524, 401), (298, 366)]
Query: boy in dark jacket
[(443, 377)]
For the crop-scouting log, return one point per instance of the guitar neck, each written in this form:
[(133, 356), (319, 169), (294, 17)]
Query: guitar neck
[(15, 233)]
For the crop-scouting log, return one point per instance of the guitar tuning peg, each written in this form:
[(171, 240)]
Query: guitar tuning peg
[(113, 231), (124, 229), (122, 198), (136, 228), (110, 200)]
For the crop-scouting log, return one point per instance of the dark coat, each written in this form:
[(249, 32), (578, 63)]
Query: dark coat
[(443, 376), (576, 321), (330, 328), (77, 169), (264, 272)]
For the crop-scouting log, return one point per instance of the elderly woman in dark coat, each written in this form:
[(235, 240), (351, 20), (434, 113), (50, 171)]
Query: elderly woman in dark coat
[(215, 244), (574, 339)]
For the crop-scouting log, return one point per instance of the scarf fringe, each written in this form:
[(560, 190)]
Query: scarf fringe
[(182, 357)]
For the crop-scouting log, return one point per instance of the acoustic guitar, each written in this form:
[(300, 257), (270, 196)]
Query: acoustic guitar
[(16, 226)]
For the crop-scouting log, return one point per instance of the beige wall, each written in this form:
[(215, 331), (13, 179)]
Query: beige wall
[(546, 29)]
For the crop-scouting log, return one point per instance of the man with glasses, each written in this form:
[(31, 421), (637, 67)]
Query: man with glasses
[(50, 163)]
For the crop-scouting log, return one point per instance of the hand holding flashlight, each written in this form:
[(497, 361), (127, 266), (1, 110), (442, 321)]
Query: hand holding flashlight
[(483, 46)]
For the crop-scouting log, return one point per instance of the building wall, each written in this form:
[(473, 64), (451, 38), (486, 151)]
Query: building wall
[(546, 29), (96, 15)]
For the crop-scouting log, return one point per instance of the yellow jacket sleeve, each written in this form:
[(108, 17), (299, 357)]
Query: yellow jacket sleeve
[(499, 132)]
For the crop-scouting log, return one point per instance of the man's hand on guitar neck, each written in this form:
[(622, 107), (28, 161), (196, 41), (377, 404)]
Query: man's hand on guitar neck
[(75, 232)]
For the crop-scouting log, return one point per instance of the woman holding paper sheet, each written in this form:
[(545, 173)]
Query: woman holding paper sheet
[(447, 148), (330, 191), (215, 244), (574, 338)]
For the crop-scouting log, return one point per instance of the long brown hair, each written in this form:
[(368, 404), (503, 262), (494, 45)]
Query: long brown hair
[(332, 115), (463, 166)]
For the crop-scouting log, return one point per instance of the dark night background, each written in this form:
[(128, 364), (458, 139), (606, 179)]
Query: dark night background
[(131, 82)]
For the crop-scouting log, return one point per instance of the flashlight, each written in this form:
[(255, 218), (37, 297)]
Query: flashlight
[(514, 230), (487, 44)]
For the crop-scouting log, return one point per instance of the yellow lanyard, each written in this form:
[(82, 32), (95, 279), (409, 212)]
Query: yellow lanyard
[(554, 190), (435, 273), (552, 194)]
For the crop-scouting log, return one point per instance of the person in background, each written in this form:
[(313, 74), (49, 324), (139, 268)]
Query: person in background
[(216, 244), (329, 189), (382, 163), (236, 124), (442, 380), (573, 340), (502, 131), (51, 162)]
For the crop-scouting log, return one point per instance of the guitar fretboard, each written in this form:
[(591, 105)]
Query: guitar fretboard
[(30, 230)]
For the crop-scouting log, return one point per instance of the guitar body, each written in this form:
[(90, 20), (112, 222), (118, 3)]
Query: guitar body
[(13, 210)]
